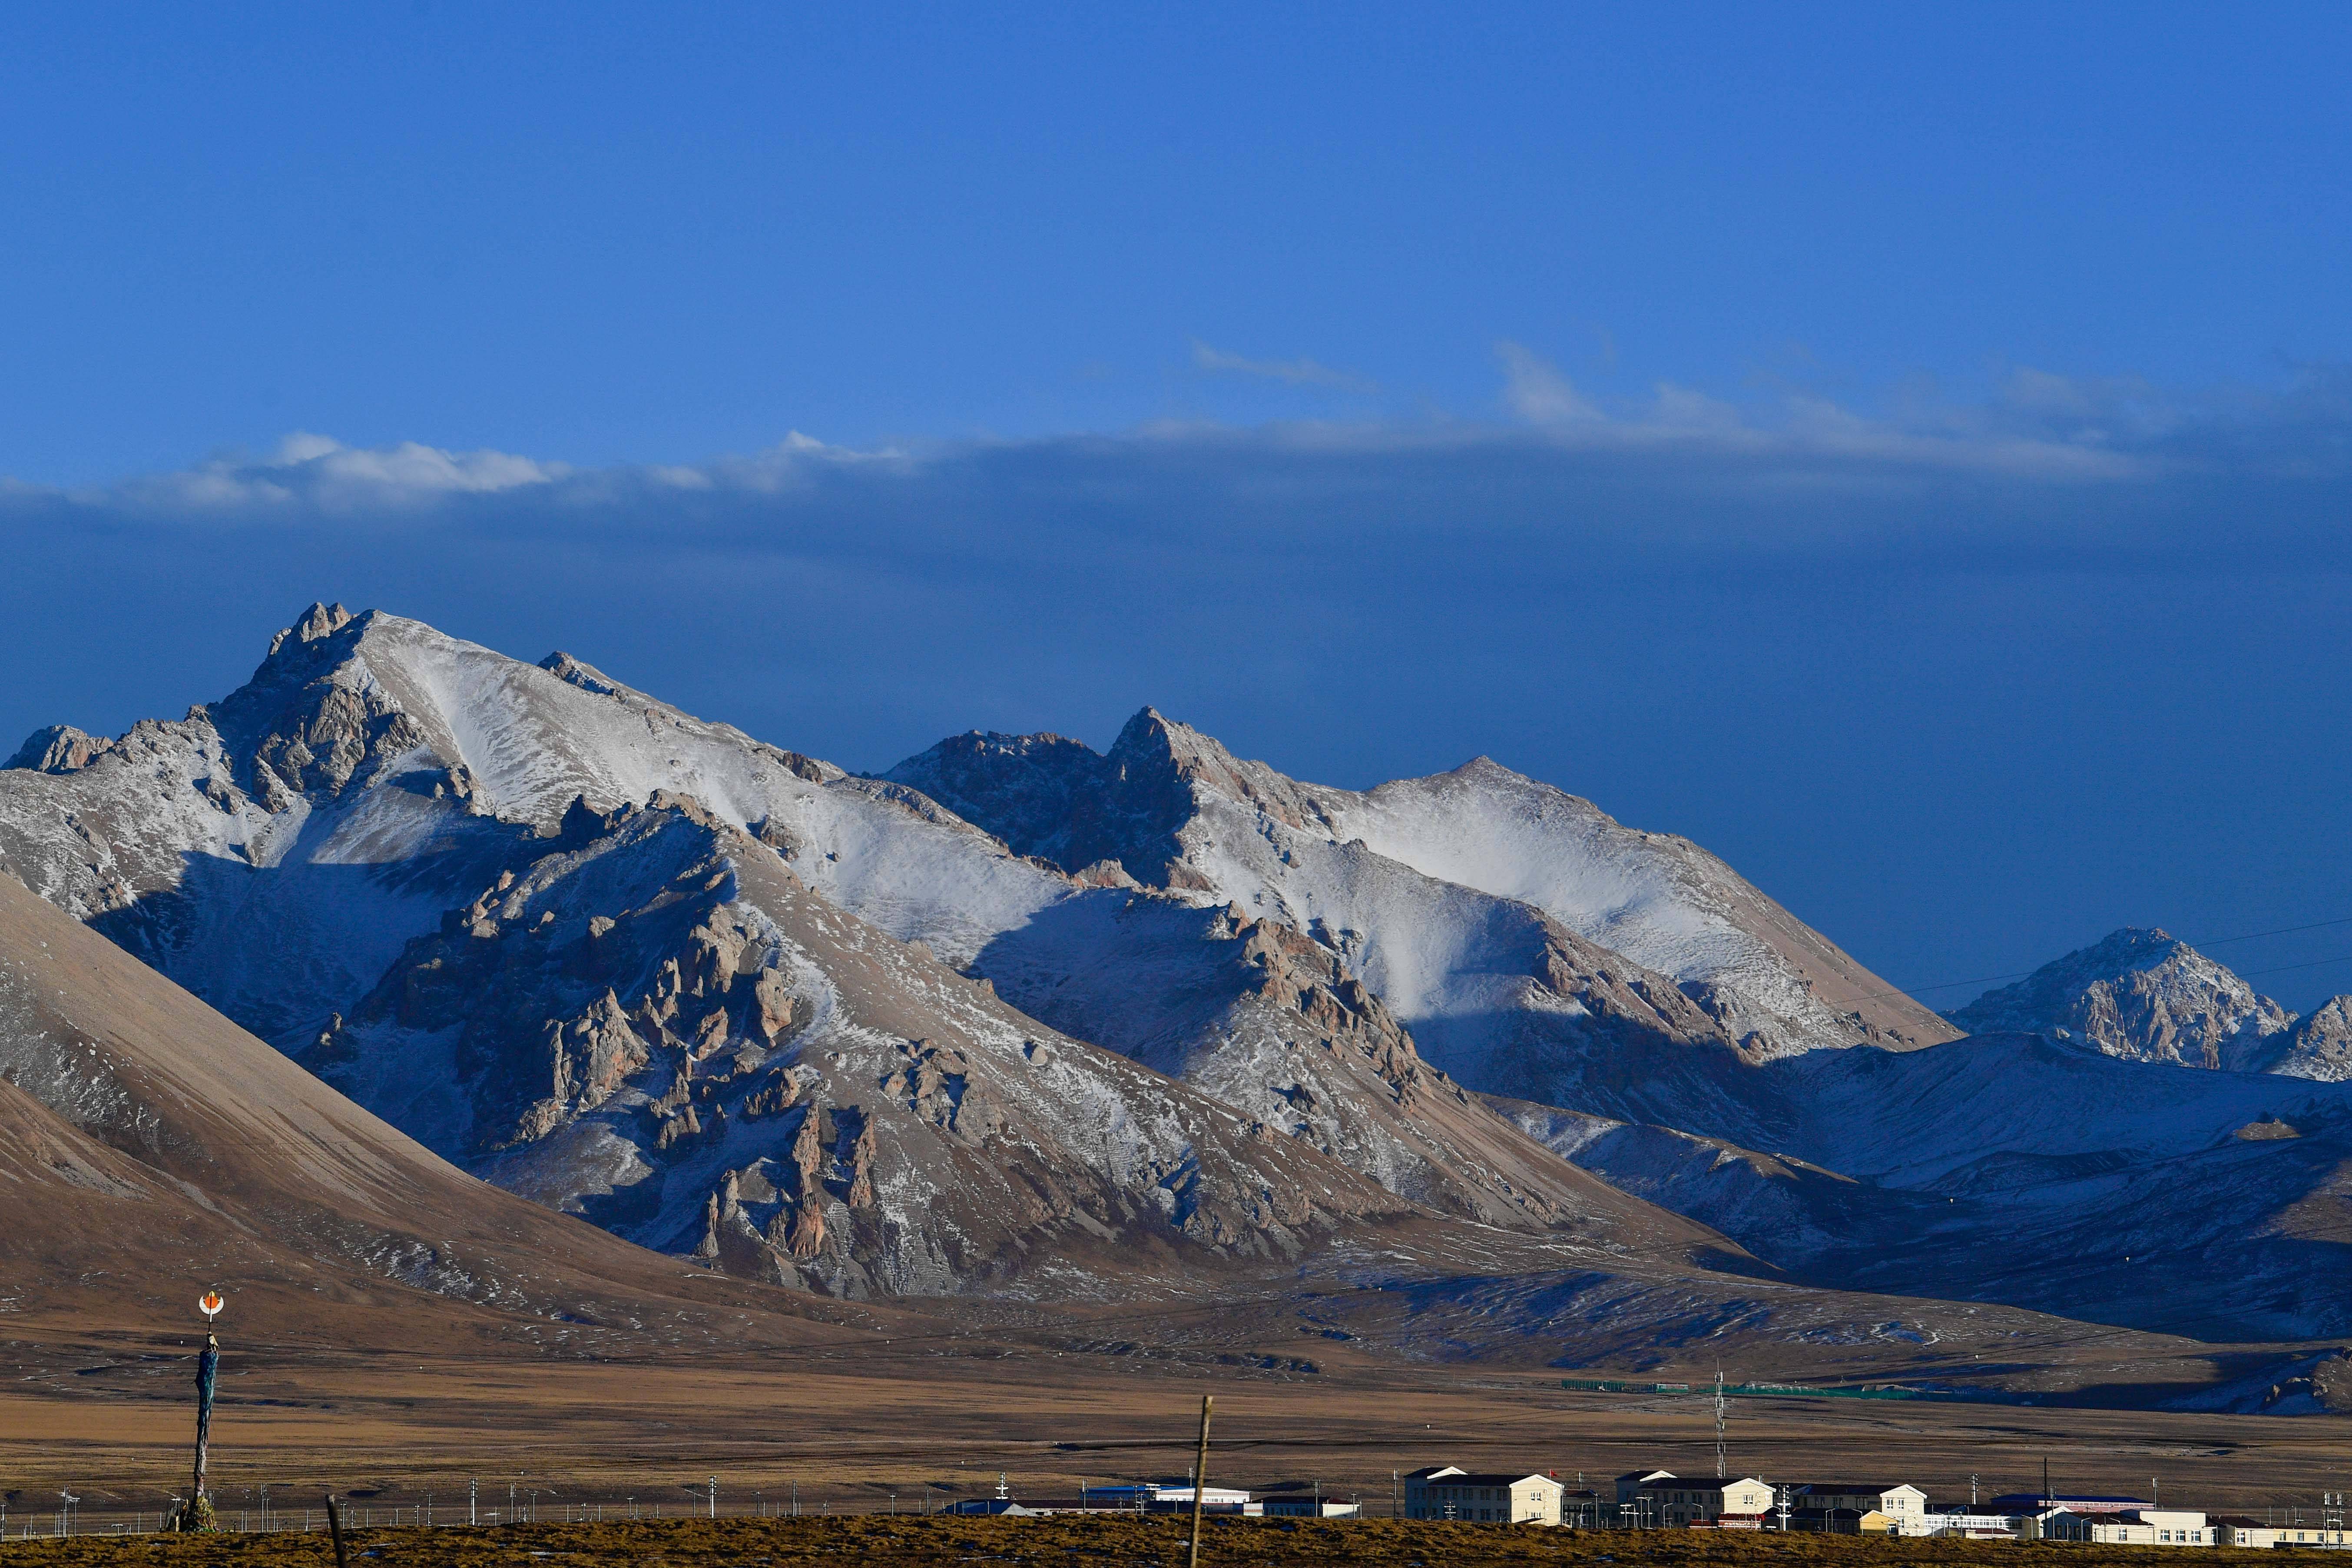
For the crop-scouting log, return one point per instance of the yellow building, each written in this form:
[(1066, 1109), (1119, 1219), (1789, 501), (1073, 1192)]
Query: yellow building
[(1447, 1492), (1670, 1502)]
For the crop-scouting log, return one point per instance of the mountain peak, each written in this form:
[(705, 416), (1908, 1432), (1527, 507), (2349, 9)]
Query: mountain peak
[(2141, 993), (58, 749), (320, 620)]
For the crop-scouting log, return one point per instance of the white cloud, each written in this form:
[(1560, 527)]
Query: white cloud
[(318, 471), (1535, 390), (1292, 372), (1698, 461)]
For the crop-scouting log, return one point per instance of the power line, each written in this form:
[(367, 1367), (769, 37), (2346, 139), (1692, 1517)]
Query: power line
[(2283, 968)]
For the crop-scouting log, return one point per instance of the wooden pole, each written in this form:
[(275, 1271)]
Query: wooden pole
[(1200, 1477), (335, 1528)]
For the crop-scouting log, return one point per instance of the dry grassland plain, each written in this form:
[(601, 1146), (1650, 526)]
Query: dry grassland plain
[(392, 1434)]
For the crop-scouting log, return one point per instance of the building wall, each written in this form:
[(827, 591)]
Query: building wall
[(1535, 1499)]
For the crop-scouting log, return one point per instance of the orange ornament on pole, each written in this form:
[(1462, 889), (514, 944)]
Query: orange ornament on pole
[(211, 1304)]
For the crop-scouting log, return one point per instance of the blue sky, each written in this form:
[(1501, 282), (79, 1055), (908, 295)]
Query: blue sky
[(1906, 450)]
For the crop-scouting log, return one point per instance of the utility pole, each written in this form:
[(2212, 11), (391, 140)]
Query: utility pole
[(1720, 1472), (714, 1497), (1201, 1477)]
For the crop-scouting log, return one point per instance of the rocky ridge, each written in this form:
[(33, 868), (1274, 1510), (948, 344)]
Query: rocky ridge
[(1175, 810), (149, 1149)]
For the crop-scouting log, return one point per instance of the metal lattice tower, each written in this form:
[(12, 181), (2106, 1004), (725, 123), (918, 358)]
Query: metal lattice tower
[(1720, 1472)]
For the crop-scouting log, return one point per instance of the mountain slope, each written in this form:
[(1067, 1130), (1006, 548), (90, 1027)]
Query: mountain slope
[(658, 1025), (149, 1148), (1271, 1023), (2019, 1169)]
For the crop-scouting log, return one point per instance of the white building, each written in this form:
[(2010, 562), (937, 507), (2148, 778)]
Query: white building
[(1448, 1492), (1905, 1506), (2330, 1535), (1670, 1502), (2174, 1527), (2137, 1527), (2237, 1529)]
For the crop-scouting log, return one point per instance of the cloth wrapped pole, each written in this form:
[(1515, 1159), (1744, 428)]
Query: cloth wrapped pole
[(196, 1513)]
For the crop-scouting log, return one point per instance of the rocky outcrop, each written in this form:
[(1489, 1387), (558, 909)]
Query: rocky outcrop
[(2321, 1044), (58, 749), (659, 1025), (2143, 995)]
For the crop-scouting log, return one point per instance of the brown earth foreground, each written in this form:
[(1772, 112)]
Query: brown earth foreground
[(676, 1543), (112, 1424)]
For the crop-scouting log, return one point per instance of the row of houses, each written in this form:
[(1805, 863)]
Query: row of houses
[(1661, 1499)]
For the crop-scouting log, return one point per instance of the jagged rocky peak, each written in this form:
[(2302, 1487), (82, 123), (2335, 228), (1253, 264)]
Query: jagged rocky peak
[(312, 715), (2144, 994), (2321, 1046), (319, 620), (1023, 788), (1062, 801), (59, 748), (1395, 872)]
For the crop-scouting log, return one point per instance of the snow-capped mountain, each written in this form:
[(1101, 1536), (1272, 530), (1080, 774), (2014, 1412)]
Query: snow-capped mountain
[(1025, 1017), (2146, 996), (1534, 946), (324, 853), (659, 1025)]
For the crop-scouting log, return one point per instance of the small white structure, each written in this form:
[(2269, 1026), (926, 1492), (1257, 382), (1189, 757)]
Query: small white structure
[(1306, 1505), (1497, 1496), (1967, 1521), (1164, 1497)]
